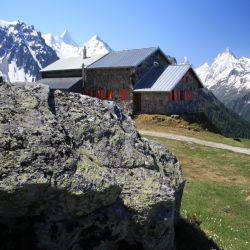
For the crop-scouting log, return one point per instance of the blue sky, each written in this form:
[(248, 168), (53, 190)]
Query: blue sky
[(195, 28)]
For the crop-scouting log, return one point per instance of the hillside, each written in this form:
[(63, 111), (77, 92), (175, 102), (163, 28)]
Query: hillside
[(192, 126), (224, 119)]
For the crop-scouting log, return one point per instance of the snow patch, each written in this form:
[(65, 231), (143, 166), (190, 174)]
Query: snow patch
[(7, 23)]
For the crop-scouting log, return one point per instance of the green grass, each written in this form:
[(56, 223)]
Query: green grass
[(163, 123), (217, 195)]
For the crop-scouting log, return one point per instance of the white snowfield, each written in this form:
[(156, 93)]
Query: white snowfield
[(226, 71)]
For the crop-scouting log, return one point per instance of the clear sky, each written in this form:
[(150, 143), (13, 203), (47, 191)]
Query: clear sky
[(194, 28)]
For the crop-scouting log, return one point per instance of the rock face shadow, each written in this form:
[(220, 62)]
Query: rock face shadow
[(45, 223), (189, 236)]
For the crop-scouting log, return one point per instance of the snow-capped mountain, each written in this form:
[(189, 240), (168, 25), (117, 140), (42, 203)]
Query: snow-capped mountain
[(23, 52), (229, 79), (65, 46)]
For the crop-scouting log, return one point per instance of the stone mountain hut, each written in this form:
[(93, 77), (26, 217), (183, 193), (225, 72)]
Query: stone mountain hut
[(140, 80)]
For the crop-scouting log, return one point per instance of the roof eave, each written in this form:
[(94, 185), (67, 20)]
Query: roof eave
[(150, 91), (115, 67)]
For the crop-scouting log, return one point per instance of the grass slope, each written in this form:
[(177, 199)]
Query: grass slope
[(216, 199), (197, 128)]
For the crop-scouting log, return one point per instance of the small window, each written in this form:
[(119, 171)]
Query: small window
[(182, 95), (102, 93), (97, 93), (186, 95), (191, 95), (110, 95), (123, 94), (172, 93), (179, 94)]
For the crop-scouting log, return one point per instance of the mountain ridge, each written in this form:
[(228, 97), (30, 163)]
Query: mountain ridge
[(228, 77), (65, 46), (24, 51)]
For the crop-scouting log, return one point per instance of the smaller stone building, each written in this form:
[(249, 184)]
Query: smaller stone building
[(168, 90)]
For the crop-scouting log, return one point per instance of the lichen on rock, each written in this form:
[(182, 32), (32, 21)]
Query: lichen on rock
[(75, 175)]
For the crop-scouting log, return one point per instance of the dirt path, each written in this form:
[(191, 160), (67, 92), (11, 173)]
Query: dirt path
[(197, 141)]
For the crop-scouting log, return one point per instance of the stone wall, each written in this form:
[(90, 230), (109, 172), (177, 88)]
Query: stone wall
[(111, 79)]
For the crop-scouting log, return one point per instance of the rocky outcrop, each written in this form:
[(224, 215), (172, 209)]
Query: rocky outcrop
[(75, 174)]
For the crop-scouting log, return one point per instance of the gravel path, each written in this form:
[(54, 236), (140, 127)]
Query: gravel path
[(197, 141)]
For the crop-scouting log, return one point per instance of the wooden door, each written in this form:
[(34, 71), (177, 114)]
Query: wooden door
[(137, 102)]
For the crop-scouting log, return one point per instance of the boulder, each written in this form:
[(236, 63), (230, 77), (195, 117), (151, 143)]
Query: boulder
[(75, 174)]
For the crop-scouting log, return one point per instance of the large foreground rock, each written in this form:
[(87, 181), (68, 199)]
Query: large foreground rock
[(75, 174)]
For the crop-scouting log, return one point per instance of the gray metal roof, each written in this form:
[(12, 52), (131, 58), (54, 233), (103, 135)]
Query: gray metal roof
[(123, 58), (162, 80), (71, 63), (60, 83)]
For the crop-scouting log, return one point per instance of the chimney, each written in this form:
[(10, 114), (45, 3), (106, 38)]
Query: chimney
[(84, 52)]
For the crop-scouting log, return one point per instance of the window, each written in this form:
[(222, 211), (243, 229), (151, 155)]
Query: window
[(186, 95), (97, 93), (182, 95), (110, 95), (191, 94), (102, 93), (172, 93), (179, 94), (123, 94)]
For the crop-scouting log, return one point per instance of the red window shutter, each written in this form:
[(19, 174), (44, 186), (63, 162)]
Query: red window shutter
[(185, 95), (173, 95), (110, 95), (97, 93), (191, 95), (102, 93), (123, 94), (179, 94)]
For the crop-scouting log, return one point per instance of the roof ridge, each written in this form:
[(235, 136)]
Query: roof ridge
[(115, 51), (185, 64)]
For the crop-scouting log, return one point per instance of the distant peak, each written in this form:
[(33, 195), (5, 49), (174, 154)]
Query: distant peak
[(66, 37), (228, 51), (95, 37), (65, 34)]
